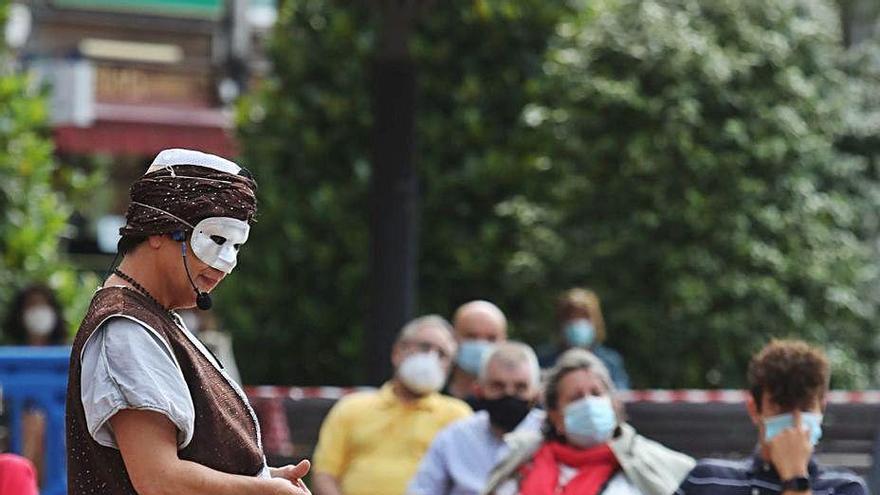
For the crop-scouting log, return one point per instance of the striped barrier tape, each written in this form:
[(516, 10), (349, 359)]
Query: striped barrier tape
[(692, 396)]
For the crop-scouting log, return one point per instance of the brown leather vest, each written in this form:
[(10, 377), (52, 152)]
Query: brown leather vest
[(226, 435)]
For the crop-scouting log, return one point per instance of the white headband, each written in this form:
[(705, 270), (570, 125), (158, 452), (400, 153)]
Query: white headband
[(177, 156)]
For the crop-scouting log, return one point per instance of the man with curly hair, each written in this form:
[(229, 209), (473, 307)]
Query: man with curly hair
[(788, 383)]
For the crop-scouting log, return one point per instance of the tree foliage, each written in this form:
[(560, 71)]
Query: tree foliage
[(306, 137), (694, 162), (706, 197), (301, 278)]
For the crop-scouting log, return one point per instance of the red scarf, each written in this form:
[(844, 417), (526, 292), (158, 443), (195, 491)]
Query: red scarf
[(595, 467)]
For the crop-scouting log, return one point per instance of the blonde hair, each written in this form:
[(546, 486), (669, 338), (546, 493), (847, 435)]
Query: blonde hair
[(574, 360)]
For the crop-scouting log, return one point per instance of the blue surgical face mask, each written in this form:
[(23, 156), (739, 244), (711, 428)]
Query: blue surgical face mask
[(579, 333), (470, 355), (589, 421), (811, 421)]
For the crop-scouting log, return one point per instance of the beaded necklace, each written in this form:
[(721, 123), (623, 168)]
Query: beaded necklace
[(140, 288)]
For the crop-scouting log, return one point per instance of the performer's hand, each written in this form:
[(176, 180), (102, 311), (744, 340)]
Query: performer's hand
[(148, 443), (292, 472), (281, 486)]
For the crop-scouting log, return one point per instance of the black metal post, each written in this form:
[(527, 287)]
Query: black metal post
[(394, 199)]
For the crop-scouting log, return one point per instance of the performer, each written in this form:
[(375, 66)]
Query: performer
[(149, 409)]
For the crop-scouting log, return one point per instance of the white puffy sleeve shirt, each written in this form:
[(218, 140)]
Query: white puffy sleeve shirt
[(126, 365)]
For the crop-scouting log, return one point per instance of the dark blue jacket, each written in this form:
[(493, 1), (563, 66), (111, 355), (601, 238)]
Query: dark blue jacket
[(610, 358), (753, 476)]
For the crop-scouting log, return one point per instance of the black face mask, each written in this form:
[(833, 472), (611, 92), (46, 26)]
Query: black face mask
[(505, 412)]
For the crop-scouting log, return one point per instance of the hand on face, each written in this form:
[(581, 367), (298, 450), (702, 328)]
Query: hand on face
[(790, 450)]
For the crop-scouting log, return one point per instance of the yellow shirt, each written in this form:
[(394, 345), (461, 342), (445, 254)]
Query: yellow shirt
[(372, 442)]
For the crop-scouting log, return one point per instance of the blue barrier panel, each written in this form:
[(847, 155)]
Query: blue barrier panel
[(36, 377)]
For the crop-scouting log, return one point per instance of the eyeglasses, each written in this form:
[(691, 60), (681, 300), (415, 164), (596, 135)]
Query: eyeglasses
[(499, 388), (424, 346)]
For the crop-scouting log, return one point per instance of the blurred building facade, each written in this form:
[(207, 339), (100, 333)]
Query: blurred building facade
[(128, 78)]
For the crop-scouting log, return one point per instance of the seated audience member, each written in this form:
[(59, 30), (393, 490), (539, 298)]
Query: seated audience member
[(34, 318), (17, 476), (463, 454), (371, 442), (581, 326), (788, 381), (586, 448), (478, 325)]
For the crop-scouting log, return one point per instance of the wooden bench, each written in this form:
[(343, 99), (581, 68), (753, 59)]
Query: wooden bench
[(717, 427)]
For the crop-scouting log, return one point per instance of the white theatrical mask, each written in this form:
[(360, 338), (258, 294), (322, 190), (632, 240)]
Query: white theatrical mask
[(216, 241)]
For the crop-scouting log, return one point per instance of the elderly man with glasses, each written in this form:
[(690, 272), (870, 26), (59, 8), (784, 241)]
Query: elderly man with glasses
[(372, 442)]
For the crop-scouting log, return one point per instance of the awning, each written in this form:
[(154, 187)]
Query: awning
[(141, 130), (205, 9)]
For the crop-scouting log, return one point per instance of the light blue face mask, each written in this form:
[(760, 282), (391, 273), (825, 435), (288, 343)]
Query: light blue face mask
[(774, 425), (579, 333), (470, 355), (589, 421)]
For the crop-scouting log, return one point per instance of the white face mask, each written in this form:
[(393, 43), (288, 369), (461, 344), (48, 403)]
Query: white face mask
[(421, 373), (216, 240), (39, 320)]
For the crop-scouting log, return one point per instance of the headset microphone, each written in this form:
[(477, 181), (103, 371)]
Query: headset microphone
[(203, 299)]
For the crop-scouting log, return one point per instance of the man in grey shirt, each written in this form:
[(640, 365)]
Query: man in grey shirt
[(463, 454)]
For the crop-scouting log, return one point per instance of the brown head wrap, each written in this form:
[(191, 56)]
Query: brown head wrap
[(178, 197)]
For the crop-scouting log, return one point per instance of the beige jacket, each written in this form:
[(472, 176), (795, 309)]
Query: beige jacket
[(653, 468)]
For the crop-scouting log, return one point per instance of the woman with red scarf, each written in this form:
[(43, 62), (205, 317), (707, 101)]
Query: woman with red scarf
[(585, 449)]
